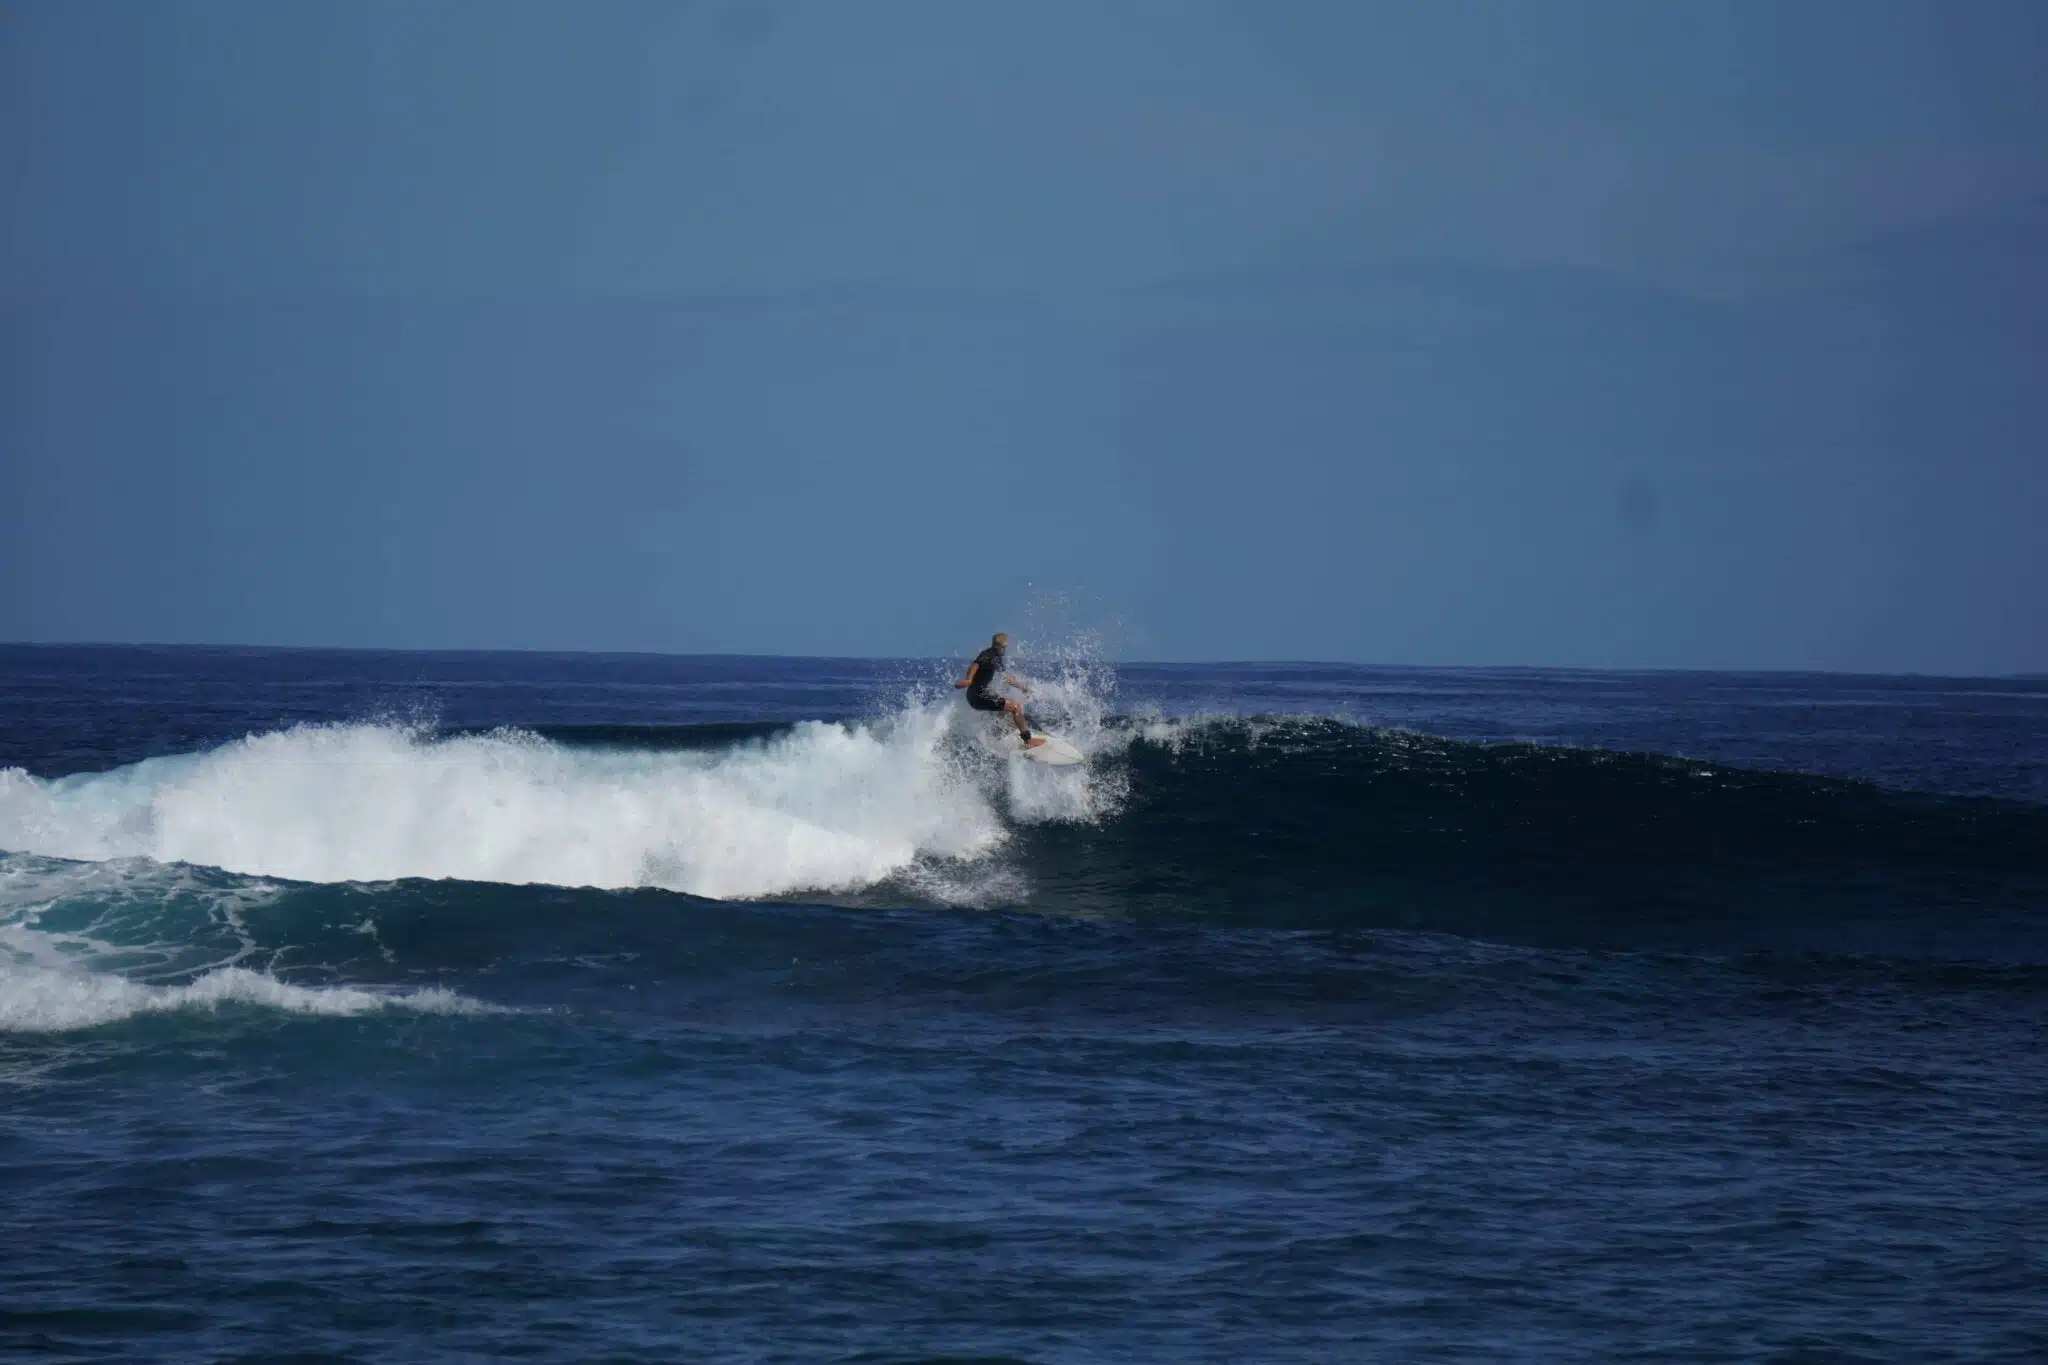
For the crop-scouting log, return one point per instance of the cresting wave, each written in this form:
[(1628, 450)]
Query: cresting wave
[(109, 907), (1176, 816), (821, 807)]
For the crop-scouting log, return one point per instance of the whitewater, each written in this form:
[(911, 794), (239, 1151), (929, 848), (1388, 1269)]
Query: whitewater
[(825, 806), (926, 797)]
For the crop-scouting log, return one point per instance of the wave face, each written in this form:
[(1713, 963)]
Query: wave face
[(1323, 824)]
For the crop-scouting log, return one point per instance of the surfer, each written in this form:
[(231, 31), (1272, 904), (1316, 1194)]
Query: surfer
[(981, 676)]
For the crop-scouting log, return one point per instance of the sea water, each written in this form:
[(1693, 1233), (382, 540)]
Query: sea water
[(403, 1006)]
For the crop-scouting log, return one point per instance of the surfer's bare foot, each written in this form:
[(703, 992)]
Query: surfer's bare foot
[(1034, 741)]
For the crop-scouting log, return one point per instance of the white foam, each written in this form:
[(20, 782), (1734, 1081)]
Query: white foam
[(108, 911), (35, 999), (823, 807)]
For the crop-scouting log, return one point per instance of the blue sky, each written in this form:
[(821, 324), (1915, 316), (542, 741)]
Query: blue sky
[(1696, 335)]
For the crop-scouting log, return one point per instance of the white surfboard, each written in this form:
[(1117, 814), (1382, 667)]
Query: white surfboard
[(1055, 751)]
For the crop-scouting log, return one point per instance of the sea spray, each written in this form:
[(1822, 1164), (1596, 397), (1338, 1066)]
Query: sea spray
[(1073, 692)]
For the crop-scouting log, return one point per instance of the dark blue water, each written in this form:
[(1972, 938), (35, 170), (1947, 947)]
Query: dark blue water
[(392, 1007)]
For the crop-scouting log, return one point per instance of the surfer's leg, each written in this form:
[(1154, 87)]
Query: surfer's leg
[(1017, 714)]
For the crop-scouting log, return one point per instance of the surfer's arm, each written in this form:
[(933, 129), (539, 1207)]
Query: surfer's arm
[(1018, 683), (968, 681)]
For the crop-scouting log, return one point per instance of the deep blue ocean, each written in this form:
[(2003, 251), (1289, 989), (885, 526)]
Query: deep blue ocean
[(392, 1007)]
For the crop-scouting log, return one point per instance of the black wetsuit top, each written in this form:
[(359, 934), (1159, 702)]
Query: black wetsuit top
[(988, 670)]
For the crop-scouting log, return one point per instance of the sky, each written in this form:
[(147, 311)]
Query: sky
[(1698, 335)]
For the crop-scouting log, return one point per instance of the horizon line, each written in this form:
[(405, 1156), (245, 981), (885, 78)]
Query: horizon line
[(540, 651)]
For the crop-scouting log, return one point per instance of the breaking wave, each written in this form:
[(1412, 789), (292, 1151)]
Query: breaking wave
[(818, 807)]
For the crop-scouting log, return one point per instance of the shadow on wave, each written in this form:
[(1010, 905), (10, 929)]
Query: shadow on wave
[(1320, 824)]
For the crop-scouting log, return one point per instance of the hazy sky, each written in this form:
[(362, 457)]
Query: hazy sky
[(1708, 334)]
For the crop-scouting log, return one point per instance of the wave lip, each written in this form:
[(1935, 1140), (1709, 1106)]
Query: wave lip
[(42, 1000)]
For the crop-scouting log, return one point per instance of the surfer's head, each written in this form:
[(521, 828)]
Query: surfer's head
[(1001, 640)]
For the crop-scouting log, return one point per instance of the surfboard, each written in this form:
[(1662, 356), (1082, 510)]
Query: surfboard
[(1054, 751)]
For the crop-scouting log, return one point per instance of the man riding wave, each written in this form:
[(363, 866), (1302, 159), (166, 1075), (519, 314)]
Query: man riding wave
[(982, 675)]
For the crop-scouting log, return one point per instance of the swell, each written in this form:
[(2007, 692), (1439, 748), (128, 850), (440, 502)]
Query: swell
[(1297, 824)]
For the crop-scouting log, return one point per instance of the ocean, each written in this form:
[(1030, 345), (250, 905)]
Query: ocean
[(399, 1006)]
